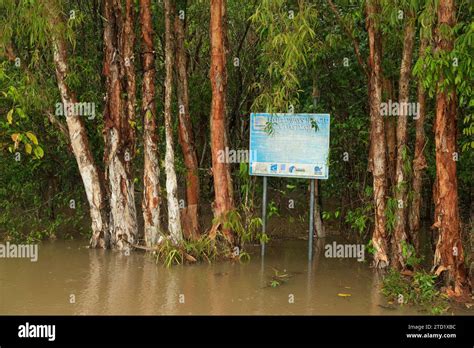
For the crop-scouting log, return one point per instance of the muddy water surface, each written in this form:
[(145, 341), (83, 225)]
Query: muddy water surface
[(69, 278)]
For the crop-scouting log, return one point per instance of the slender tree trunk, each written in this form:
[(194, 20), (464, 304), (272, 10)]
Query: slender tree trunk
[(151, 168), (318, 221), (391, 136), (186, 137), (419, 160), (221, 171), (118, 135), (400, 233), (90, 175), (449, 253), (379, 237), (174, 220)]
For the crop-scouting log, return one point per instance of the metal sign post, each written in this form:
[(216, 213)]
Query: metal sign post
[(311, 221), (264, 214)]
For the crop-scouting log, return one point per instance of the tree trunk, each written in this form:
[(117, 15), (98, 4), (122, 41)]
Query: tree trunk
[(318, 221), (391, 137), (118, 135), (128, 41), (378, 163), (151, 169), (221, 171), (449, 254), (186, 137), (80, 147), (419, 160), (174, 220), (400, 187)]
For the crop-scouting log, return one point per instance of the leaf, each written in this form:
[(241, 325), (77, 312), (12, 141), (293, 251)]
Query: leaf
[(16, 137), (32, 137), (21, 113), (28, 148), (344, 295), (39, 152), (190, 258), (10, 117)]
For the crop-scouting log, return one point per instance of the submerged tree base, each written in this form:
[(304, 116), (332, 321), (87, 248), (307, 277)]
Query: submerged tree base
[(204, 249)]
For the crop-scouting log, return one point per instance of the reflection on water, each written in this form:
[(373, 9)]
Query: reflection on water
[(69, 278)]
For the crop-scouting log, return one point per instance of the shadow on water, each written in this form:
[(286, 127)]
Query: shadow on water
[(69, 278)]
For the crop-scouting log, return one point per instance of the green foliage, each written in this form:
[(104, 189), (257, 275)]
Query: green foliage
[(247, 230), (274, 283), (327, 215), (370, 247), (288, 39), (420, 290), (361, 217), (390, 213), (169, 253), (272, 209), (279, 278), (409, 255)]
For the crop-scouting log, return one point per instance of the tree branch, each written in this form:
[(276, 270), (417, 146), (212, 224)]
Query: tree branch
[(355, 43)]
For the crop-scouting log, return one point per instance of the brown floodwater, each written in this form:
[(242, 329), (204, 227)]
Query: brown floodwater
[(69, 278)]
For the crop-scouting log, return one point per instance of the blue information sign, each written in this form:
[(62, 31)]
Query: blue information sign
[(289, 145)]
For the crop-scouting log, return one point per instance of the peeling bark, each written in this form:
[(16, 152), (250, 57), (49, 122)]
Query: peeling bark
[(449, 253), (128, 78), (117, 132), (186, 137), (81, 149), (151, 171), (378, 163), (400, 232), (221, 171), (174, 219)]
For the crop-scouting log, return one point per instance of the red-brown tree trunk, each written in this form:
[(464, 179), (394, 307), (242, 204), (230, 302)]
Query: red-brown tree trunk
[(378, 160), (174, 219), (391, 137), (151, 169), (419, 160), (128, 78), (449, 253), (119, 142), (400, 187), (90, 175), (186, 137), (221, 171)]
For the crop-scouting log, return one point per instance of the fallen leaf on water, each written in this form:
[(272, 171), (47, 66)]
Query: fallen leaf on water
[(343, 295)]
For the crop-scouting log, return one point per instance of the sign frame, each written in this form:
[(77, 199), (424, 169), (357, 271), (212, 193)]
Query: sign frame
[(254, 155)]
